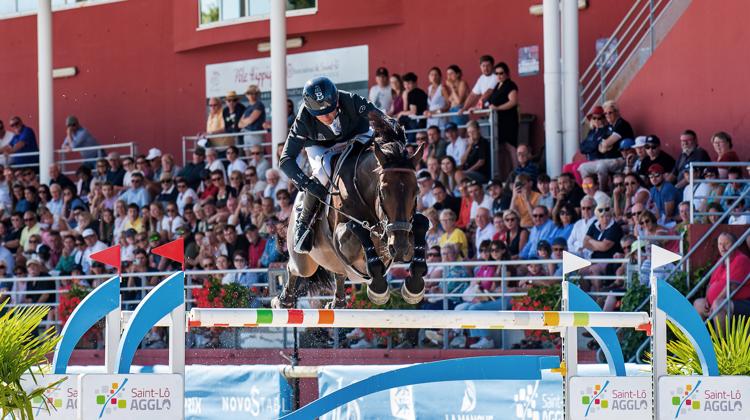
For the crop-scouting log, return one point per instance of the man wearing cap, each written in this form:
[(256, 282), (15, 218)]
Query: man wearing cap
[(664, 195), (478, 198), (425, 198), (500, 202), (381, 94), (191, 173), (154, 160), (116, 174), (232, 112), (691, 152), (655, 155), (93, 245), (456, 146), (328, 119), (77, 136)]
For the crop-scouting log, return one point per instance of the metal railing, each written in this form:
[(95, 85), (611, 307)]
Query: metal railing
[(65, 161), (634, 34), (189, 143)]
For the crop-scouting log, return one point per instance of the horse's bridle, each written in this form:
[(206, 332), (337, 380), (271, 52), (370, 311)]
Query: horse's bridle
[(398, 225)]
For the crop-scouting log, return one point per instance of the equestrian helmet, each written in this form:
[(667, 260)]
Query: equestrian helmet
[(320, 95)]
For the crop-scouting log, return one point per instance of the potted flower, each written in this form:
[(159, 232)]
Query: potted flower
[(22, 351)]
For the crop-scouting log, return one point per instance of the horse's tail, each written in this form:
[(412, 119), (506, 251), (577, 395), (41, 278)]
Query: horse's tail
[(321, 281)]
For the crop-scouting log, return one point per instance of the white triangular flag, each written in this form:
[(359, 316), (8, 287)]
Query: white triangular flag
[(661, 257), (572, 262)]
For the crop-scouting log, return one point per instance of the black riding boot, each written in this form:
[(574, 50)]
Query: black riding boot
[(303, 234)]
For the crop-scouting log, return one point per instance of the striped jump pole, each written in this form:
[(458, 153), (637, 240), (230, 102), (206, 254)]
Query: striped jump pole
[(390, 318)]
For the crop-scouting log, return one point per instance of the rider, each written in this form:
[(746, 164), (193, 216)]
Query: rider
[(326, 122)]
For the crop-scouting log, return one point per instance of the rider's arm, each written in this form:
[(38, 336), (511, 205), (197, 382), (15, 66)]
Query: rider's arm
[(288, 159)]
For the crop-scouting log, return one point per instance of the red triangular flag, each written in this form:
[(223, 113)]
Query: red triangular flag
[(109, 256), (174, 250)]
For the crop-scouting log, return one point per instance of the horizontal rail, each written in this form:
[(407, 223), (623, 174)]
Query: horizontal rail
[(379, 318)]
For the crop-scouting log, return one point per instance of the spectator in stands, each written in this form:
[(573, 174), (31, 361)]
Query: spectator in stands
[(514, 236), (186, 196), (232, 112), (628, 155), (484, 85), (255, 245), (78, 137), (55, 205), (475, 161), (617, 130), (93, 245), (137, 193), (714, 210), (525, 166), (215, 125), (458, 91), (691, 152), (273, 177), (448, 172), (213, 163), (570, 191), (435, 147), (722, 143), (253, 186), (254, 116), (5, 139), (455, 146), (634, 192), (590, 187), (655, 155), (168, 193), (425, 198), (485, 230), (435, 230), (443, 199), (397, 88), (284, 201), (167, 166), (478, 198), (191, 173), (524, 199), (542, 230), (31, 227), (452, 234), (495, 191), (271, 252), (716, 295), (663, 195), (546, 198), (257, 160), (581, 228), (684, 211), (504, 100), (415, 103), (235, 163), (734, 190), (57, 177), (433, 167), (589, 145), (603, 241), (437, 95), (649, 227), (564, 218), (381, 94), (23, 141), (35, 268)]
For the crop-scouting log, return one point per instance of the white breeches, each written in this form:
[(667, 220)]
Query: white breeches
[(320, 157)]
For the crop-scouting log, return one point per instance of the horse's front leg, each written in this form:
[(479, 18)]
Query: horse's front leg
[(288, 297), (377, 290), (413, 288), (339, 299)]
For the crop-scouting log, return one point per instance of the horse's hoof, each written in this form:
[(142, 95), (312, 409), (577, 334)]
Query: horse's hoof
[(411, 298), (336, 304), (277, 303), (379, 298)]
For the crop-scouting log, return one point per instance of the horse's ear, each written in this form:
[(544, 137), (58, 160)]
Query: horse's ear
[(379, 155), (417, 156), (377, 122)]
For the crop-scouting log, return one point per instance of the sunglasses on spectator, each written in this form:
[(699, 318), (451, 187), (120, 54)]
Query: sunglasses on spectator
[(558, 248), (564, 213), (497, 250), (603, 209), (232, 100), (597, 118), (499, 73), (510, 219), (587, 184), (587, 208), (537, 215), (618, 184), (483, 250), (650, 147), (214, 105), (255, 153), (13, 124), (610, 113), (654, 175), (644, 222), (28, 219)]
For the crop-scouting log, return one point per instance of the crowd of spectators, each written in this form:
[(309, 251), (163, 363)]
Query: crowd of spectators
[(231, 206)]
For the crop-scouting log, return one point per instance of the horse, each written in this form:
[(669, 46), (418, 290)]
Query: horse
[(371, 219)]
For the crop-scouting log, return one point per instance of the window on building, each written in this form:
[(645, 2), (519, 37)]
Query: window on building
[(14, 7), (213, 11)]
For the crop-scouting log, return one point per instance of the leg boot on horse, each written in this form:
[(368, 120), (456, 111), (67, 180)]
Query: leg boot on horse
[(303, 231), (413, 288), (377, 290)]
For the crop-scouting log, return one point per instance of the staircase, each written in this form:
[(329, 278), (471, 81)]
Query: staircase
[(631, 44)]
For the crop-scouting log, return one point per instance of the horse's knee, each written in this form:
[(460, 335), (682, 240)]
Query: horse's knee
[(420, 226)]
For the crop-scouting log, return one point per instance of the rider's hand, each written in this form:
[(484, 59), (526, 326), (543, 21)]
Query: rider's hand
[(317, 189)]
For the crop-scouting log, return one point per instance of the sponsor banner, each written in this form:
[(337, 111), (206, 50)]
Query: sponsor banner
[(611, 398), (528, 60), (236, 392), (142, 396), (342, 65), (704, 397), (62, 400), (476, 400)]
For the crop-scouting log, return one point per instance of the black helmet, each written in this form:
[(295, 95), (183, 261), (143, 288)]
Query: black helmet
[(320, 95)]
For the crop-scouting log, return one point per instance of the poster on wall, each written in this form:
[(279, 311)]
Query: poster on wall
[(608, 59), (347, 67), (528, 60)]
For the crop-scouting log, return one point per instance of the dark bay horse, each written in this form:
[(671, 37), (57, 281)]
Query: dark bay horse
[(373, 217)]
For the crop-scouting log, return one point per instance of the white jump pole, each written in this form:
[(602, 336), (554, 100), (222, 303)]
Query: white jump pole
[(435, 319)]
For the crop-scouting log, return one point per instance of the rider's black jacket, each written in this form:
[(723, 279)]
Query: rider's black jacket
[(308, 131)]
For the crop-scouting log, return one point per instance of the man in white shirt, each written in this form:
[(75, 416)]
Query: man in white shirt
[(424, 182), (213, 163), (186, 196), (485, 229), (5, 138), (93, 245), (484, 85), (456, 145), (478, 198), (259, 161), (235, 163), (575, 240), (274, 184), (380, 93)]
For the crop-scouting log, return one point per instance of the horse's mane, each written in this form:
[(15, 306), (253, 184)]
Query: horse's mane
[(389, 137)]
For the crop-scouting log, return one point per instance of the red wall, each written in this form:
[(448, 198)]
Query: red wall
[(697, 78), (141, 62)]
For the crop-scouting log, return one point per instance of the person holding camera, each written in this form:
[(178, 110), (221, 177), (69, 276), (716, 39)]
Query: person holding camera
[(524, 199)]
